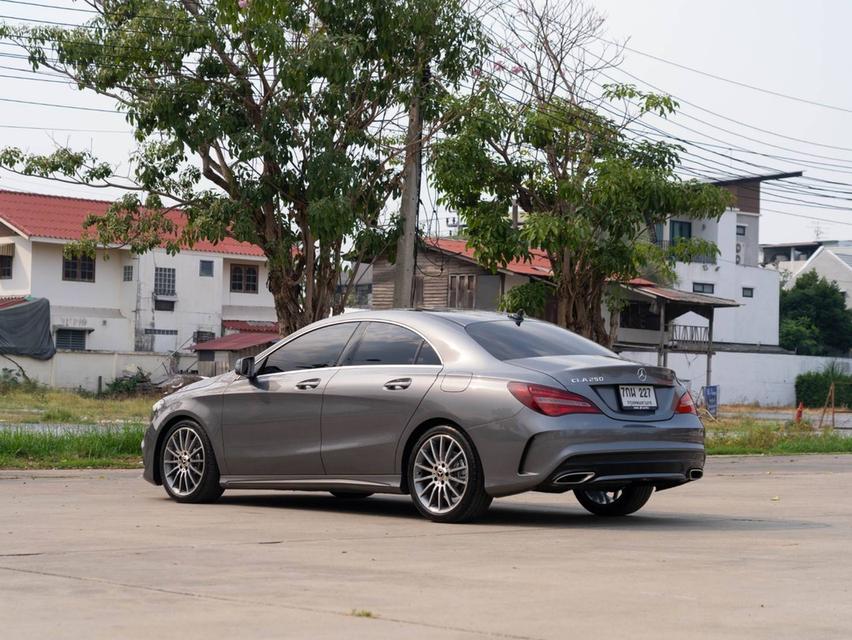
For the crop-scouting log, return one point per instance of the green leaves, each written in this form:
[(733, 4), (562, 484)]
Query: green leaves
[(814, 317)]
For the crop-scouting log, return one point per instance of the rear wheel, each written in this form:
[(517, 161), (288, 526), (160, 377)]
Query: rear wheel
[(445, 478), (351, 495), (614, 502), (188, 465)]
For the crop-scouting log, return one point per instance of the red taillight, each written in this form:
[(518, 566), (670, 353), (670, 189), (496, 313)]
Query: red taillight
[(686, 405), (550, 401)]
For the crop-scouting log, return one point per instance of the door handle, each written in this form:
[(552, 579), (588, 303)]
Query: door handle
[(313, 383), (398, 384)]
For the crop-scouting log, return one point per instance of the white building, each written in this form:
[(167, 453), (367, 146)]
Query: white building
[(119, 301), (830, 259), (736, 273)]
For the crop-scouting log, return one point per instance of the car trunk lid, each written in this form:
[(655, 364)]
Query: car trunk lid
[(600, 379)]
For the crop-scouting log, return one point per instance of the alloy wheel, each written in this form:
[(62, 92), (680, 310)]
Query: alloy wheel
[(183, 461), (440, 473)]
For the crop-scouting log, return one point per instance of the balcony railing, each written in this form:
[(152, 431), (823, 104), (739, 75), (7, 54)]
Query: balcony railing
[(698, 259), (688, 336)]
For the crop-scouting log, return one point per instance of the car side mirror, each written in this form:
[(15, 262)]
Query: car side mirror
[(245, 367)]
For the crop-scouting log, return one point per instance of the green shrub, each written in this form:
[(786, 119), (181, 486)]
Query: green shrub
[(812, 387)]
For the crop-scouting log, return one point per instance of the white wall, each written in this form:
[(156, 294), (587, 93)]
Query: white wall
[(80, 369), (766, 379), (19, 283)]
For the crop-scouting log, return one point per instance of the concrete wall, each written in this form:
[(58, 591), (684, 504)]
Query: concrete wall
[(766, 379), (80, 369)]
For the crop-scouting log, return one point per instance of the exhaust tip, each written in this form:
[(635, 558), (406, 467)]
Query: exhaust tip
[(575, 477), (696, 474)]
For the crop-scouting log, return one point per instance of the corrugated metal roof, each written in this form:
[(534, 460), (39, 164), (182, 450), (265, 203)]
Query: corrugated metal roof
[(60, 217), (237, 342), (685, 297)]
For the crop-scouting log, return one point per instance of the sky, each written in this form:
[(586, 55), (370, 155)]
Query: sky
[(784, 46)]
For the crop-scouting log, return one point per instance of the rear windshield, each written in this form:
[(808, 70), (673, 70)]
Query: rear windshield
[(505, 340)]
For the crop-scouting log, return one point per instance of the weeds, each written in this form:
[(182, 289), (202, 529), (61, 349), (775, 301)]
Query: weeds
[(96, 447)]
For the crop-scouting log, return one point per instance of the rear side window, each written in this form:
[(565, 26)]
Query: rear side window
[(315, 350), (505, 340), (383, 343)]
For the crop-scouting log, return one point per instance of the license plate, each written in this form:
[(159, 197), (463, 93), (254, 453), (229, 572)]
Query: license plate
[(637, 396)]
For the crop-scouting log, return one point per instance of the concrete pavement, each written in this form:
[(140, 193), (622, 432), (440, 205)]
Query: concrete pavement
[(761, 548)]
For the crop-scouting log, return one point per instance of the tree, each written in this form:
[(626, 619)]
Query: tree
[(814, 317), (590, 190), (271, 122)]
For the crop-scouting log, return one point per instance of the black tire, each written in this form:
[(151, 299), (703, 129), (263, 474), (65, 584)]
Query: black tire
[(472, 501), (630, 499), (351, 495), (206, 487)]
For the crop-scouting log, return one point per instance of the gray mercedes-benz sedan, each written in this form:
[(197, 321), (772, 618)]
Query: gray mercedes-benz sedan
[(454, 408)]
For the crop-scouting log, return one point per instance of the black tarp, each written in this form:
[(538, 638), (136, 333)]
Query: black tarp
[(25, 329)]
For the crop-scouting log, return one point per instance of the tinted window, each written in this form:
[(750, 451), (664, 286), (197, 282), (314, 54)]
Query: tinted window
[(314, 350), (386, 344), (427, 355), (505, 340)]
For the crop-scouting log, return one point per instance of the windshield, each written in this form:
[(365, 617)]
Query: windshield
[(505, 340)]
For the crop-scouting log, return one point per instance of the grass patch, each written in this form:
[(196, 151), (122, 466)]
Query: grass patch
[(747, 436), (92, 448), (362, 613), (56, 406)]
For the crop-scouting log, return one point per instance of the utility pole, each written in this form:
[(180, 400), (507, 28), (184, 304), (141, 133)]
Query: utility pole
[(403, 290)]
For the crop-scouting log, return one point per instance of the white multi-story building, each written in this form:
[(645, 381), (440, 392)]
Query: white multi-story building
[(119, 301), (736, 273)]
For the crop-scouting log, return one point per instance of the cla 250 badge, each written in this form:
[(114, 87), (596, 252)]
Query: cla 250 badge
[(595, 379)]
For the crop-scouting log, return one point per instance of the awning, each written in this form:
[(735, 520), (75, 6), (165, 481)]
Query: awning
[(237, 342)]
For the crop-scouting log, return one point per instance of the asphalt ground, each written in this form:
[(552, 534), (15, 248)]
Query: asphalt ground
[(760, 548)]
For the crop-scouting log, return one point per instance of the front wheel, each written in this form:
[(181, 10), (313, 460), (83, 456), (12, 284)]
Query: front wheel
[(188, 465), (614, 502), (445, 478)]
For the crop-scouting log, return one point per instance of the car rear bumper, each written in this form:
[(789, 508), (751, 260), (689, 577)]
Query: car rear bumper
[(661, 468)]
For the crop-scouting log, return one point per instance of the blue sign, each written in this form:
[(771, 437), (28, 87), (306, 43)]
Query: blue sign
[(711, 399)]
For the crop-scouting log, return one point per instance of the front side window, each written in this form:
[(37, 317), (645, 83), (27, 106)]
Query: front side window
[(74, 339), (164, 281), (383, 343), (5, 267), (315, 350), (506, 340), (243, 278), (703, 287), (680, 230), (78, 268)]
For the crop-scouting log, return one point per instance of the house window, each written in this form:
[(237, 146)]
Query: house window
[(680, 230), (74, 339), (160, 332), (703, 287), (741, 229), (128, 273), (243, 278), (205, 268), (164, 281), (78, 268), (462, 293), (748, 292), (164, 305), (638, 315), (5, 267)]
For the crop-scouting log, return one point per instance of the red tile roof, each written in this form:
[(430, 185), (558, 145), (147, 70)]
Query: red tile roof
[(237, 342), (256, 326), (11, 302), (60, 217), (539, 265)]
